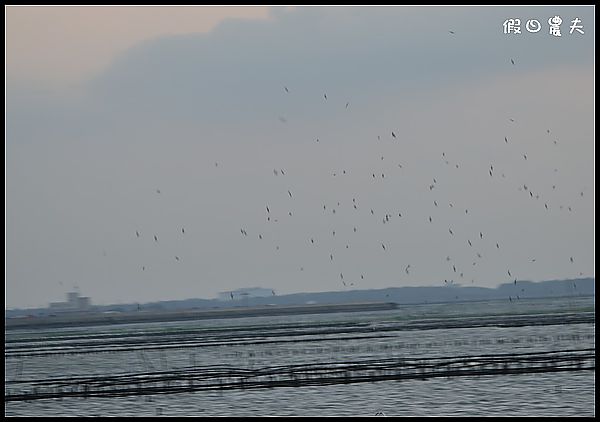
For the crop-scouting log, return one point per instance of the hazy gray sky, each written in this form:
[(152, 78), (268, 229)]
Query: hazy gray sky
[(201, 113)]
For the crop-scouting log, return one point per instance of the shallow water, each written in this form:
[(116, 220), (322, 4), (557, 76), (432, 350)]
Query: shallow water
[(259, 342)]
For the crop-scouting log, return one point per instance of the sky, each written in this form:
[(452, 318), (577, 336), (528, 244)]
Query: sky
[(165, 153)]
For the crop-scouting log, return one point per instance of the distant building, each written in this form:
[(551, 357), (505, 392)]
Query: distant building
[(247, 292), (74, 303)]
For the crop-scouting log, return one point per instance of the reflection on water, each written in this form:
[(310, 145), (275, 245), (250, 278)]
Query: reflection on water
[(257, 342)]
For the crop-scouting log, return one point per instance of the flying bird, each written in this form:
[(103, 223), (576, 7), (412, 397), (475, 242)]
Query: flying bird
[(155, 238), (290, 193), (286, 89), (393, 134), (137, 233), (452, 32), (512, 61)]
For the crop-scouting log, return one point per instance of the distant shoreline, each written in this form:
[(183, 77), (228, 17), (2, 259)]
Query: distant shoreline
[(104, 318)]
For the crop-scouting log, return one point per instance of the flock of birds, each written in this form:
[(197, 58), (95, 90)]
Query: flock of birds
[(457, 271)]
